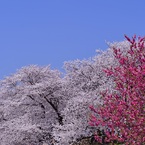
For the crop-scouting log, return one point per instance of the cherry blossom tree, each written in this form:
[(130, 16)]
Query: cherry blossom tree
[(84, 81), (122, 116), (30, 101)]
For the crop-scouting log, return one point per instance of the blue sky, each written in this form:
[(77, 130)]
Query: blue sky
[(53, 31)]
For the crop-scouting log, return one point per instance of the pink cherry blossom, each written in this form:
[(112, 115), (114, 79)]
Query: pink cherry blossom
[(122, 115)]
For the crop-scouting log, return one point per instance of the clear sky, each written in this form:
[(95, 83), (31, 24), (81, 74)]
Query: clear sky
[(53, 31)]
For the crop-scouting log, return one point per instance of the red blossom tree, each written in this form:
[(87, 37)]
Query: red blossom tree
[(121, 119)]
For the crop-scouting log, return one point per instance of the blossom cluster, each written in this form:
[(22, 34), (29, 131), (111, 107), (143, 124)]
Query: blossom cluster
[(122, 115)]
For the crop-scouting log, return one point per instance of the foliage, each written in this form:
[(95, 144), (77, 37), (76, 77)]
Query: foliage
[(37, 103), (84, 79), (29, 104), (122, 115)]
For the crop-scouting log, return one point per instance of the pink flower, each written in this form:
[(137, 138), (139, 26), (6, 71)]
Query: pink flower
[(123, 114)]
